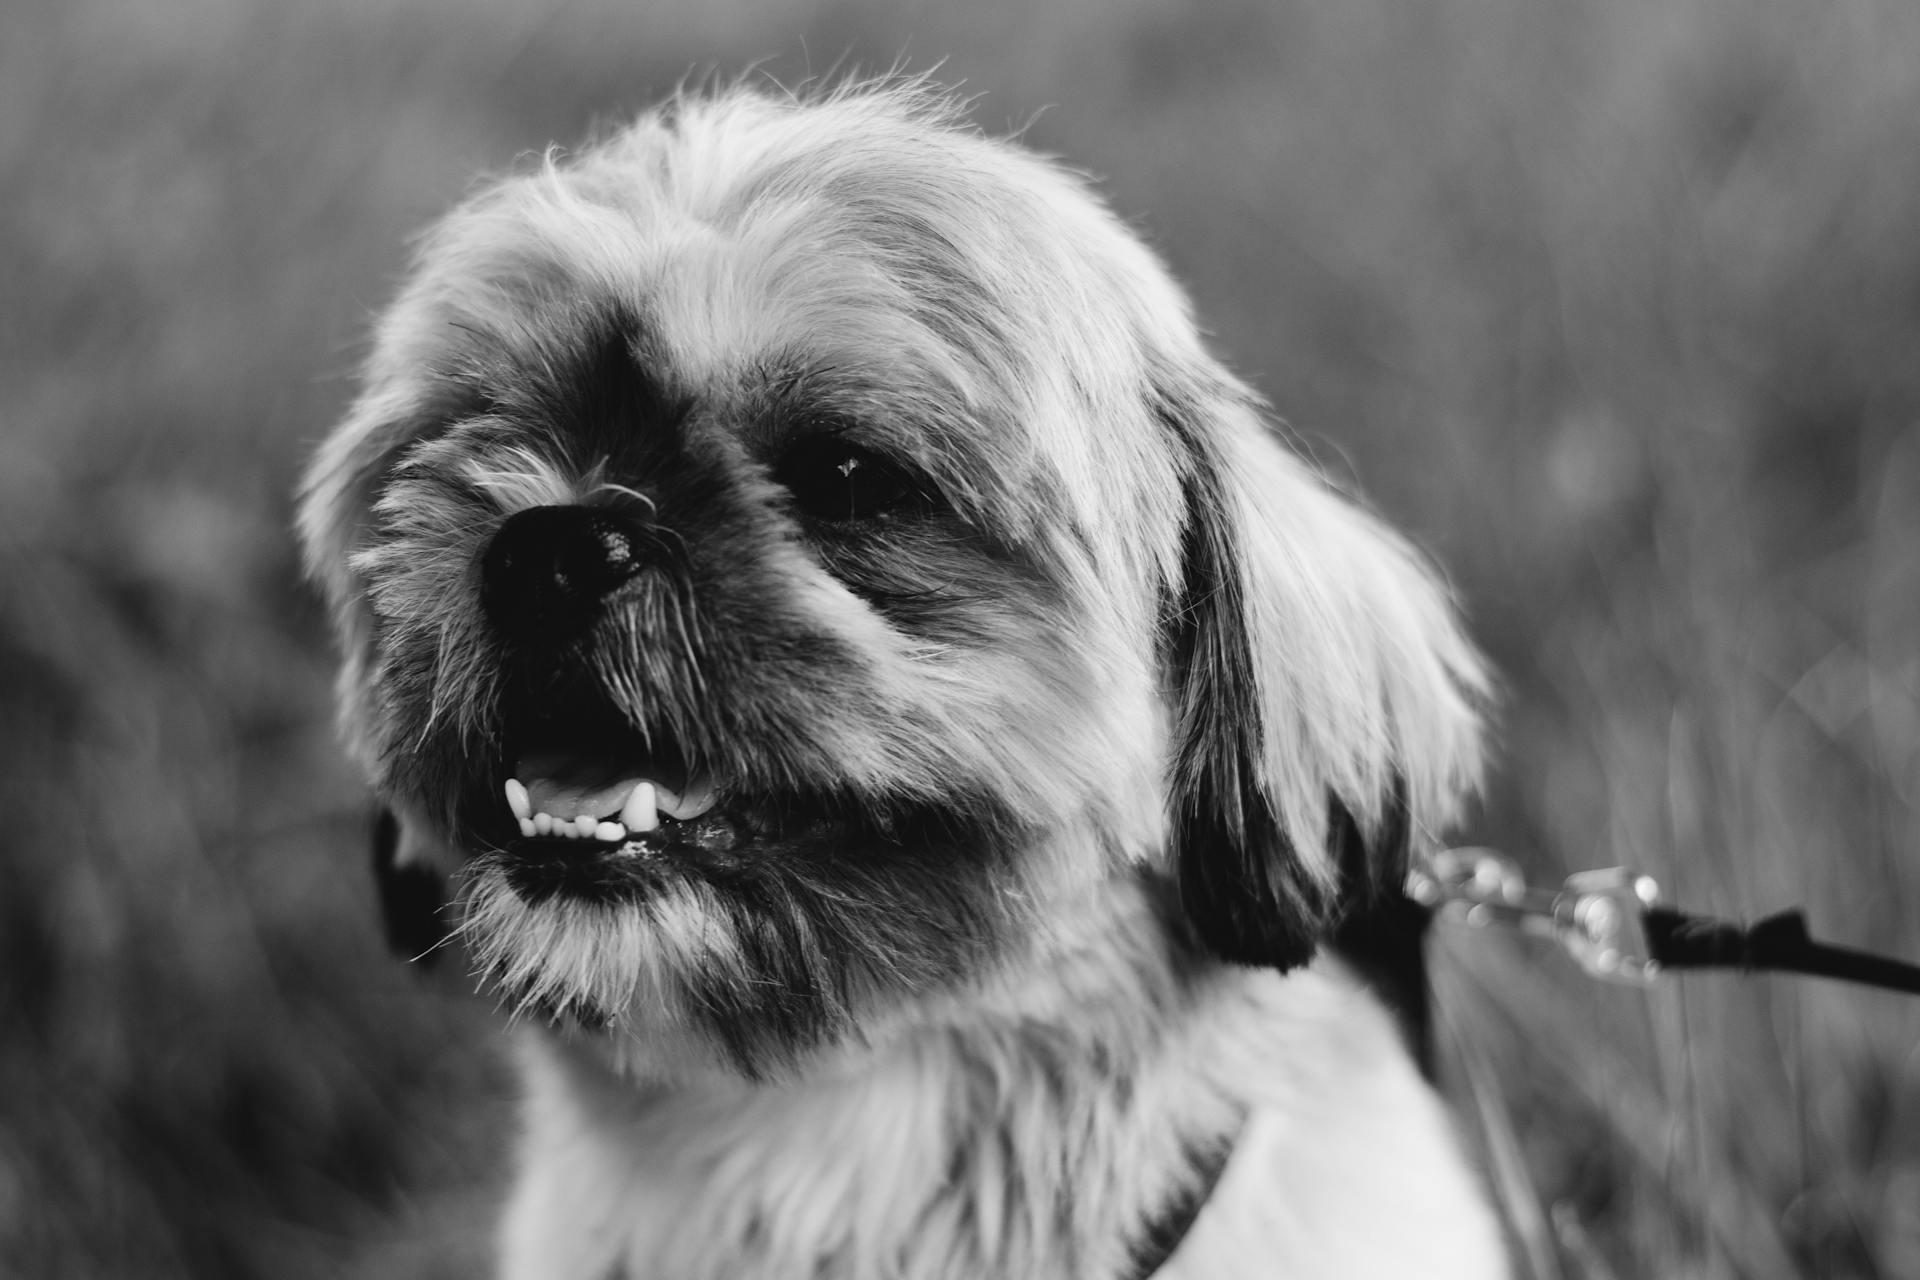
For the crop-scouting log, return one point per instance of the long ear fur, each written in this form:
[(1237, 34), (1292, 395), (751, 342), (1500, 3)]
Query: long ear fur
[(1326, 698)]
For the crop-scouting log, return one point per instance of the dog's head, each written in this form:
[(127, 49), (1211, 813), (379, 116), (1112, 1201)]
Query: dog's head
[(787, 553)]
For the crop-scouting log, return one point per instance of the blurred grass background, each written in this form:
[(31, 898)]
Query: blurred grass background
[(1615, 305)]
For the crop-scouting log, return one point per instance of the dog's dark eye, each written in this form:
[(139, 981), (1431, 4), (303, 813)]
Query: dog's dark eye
[(833, 479)]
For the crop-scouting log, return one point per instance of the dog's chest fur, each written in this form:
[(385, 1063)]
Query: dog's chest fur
[(1018, 1141)]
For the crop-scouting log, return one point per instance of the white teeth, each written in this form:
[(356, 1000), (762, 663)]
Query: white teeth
[(696, 800), (584, 826), (642, 811), (638, 812), (545, 824)]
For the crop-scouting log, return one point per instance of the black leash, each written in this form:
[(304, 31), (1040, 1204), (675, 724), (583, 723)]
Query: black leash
[(1613, 923), (1779, 942)]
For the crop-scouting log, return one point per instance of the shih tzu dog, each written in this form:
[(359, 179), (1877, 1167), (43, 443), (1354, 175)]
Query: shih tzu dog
[(893, 721)]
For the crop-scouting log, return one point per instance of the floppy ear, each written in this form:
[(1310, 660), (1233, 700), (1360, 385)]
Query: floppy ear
[(1325, 696)]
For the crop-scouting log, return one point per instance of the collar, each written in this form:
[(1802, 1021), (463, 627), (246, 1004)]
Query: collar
[(1164, 1231)]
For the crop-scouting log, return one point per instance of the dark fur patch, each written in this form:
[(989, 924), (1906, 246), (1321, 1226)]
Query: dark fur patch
[(1382, 932), (1239, 877), (816, 931), (822, 921), (412, 899), (586, 389), (910, 916), (1385, 942)]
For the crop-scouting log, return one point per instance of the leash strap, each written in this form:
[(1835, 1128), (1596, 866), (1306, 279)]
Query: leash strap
[(1614, 925), (1779, 942)]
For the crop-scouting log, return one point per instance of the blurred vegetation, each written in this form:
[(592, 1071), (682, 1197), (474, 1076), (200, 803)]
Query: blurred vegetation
[(1615, 305)]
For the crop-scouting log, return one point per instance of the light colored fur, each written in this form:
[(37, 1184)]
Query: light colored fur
[(983, 313), (965, 1146)]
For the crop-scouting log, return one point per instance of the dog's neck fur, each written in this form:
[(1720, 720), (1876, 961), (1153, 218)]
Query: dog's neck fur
[(944, 1152)]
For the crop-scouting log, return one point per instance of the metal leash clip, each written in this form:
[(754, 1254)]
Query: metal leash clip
[(1598, 917)]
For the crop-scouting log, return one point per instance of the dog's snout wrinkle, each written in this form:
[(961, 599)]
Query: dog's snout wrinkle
[(548, 569)]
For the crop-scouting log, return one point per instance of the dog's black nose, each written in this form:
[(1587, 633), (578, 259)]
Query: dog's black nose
[(548, 569)]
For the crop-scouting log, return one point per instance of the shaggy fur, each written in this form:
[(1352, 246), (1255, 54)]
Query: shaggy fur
[(1055, 713)]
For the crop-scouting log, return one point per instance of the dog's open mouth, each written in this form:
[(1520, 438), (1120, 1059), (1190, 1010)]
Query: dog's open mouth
[(583, 783), (588, 805), (569, 796)]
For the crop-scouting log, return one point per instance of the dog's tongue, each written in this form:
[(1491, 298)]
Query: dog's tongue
[(569, 786)]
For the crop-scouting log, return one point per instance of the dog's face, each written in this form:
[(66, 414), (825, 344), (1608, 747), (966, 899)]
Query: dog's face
[(791, 553)]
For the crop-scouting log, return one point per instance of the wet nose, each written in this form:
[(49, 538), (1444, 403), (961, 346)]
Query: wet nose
[(548, 568)]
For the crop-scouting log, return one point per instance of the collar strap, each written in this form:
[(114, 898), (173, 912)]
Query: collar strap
[(1166, 1229)]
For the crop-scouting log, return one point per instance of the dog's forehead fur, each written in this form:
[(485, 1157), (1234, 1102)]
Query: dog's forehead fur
[(859, 257)]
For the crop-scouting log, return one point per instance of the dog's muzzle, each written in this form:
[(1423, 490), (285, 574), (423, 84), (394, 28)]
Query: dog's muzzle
[(602, 803), (584, 780)]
